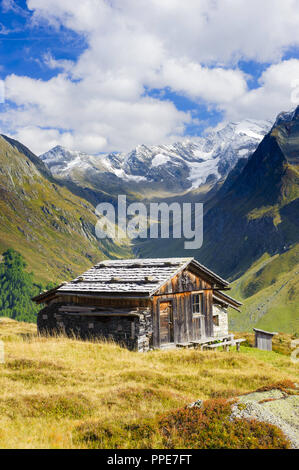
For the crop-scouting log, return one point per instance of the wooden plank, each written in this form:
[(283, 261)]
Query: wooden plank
[(166, 323), (102, 314), (175, 320), (106, 296), (212, 339), (78, 309), (97, 309), (225, 343), (218, 345), (184, 336), (189, 316), (156, 332), (208, 300), (265, 332)]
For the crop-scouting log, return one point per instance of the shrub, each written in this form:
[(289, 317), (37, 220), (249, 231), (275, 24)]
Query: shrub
[(211, 428), (283, 385)]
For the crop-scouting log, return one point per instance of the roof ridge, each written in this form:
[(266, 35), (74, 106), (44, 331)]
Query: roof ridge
[(138, 275), (145, 260)]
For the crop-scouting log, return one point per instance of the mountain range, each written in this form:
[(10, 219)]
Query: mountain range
[(162, 170)]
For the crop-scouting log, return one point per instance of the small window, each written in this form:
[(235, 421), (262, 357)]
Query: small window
[(216, 320), (197, 304)]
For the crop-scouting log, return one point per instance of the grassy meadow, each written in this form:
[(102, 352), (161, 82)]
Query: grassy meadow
[(66, 393), (269, 291)]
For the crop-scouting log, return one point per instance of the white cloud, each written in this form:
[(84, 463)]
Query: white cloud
[(203, 30), (2, 91), (273, 95), (215, 85), (41, 140), (52, 63), (98, 104), (90, 120)]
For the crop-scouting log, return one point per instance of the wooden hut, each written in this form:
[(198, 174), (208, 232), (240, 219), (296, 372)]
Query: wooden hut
[(141, 303), (263, 339)]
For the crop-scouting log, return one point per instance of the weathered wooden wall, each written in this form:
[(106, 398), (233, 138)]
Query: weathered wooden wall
[(263, 340), (105, 301), (179, 291)]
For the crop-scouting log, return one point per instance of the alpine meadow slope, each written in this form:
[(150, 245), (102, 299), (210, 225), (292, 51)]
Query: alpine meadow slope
[(60, 392), (269, 291), (49, 225)]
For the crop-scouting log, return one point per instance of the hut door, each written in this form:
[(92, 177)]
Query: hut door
[(166, 323)]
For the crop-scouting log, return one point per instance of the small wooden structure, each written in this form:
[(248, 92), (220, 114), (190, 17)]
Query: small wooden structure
[(141, 303), (263, 339)]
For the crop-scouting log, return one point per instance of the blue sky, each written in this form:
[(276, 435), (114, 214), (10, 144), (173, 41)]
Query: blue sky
[(108, 75), (23, 45)]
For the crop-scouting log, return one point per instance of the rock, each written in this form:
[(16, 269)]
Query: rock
[(196, 404), (273, 407)]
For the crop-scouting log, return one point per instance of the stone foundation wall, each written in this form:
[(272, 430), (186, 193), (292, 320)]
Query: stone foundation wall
[(134, 332), (222, 328)]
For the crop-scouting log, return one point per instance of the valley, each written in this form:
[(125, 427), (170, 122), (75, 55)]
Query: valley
[(246, 178)]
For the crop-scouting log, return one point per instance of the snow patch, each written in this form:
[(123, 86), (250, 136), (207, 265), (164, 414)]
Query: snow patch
[(199, 172), (159, 160), (124, 176)]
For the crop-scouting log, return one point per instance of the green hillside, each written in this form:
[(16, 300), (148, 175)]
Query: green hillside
[(270, 292), (42, 219)]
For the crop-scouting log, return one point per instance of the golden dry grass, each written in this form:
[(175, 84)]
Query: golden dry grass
[(50, 387)]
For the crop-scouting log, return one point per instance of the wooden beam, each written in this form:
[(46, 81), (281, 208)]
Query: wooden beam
[(102, 314), (193, 291), (102, 295)]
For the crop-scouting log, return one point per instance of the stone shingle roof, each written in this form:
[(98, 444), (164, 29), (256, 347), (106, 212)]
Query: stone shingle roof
[(139, 277), (126, 276)]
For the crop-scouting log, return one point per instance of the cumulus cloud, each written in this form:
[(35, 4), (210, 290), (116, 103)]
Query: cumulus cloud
[(41, 140), (99, 102), (215, 85), (88, 117), (274, 94), (204, 30)]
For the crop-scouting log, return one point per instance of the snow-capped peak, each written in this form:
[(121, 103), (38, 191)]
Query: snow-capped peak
[(181, 166)]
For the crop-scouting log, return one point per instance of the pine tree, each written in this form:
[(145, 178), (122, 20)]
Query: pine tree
[(17, 287)]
